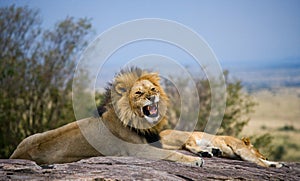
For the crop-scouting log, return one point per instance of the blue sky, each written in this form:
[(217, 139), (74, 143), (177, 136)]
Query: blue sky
[(236, 30)]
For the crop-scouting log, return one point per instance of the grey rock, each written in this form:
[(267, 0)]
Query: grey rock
[(128, 168)]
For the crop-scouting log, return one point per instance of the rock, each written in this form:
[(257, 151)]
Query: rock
[(127, 168)]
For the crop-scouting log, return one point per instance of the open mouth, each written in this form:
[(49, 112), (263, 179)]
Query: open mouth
[(151, 110)]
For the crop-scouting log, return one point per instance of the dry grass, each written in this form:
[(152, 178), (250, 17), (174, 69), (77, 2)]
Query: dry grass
[(278, 113)]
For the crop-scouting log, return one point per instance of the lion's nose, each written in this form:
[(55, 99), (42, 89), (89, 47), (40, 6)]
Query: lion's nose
[(151, 98)]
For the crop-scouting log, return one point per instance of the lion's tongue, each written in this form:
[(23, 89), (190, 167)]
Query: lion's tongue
[(152, 109)]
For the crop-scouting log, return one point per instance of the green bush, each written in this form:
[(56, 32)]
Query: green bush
[(239, 104), (287, 128), (36, 72), (264, 143)]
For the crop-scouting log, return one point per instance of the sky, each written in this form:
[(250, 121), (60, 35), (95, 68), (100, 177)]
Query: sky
[(236, 30)]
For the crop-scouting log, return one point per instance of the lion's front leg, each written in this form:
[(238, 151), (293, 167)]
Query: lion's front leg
[(204, 151), (160, 154), (186, 159)]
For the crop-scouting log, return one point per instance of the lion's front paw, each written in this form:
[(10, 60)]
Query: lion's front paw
[(276, 165), (216, 152), (205, 154), (193, 161), (199, 162)]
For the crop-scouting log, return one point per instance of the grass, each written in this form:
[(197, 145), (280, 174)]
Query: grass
[(278, 113)]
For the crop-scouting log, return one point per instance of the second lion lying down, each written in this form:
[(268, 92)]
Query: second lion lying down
[(210, 145)]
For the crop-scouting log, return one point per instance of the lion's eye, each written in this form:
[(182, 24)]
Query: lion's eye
[(138, 93), (153, 89)]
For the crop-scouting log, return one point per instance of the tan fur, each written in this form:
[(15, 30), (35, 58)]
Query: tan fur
[(227, 146), (119, 131)]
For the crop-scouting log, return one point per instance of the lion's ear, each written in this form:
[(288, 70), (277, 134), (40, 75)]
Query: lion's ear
[(246, 141), (120, 88)]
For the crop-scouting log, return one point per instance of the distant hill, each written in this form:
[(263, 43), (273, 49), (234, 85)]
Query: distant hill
[(266, 74)]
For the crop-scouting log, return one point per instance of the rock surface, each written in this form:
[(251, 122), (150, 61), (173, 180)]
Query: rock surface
[(126, 168)]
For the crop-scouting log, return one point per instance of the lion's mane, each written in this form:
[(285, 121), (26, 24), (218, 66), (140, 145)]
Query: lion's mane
[(116, 100)]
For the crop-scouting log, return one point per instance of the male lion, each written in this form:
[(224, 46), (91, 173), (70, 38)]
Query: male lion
[(132, 115), (210, 145)]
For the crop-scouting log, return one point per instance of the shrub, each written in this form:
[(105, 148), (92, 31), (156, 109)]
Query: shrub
[(36, 72), (239, 105)]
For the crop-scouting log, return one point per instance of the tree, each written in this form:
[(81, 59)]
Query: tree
[(36, 71), (239, 105)]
